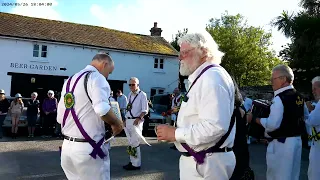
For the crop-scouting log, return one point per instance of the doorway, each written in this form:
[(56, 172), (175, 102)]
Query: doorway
[(115, 85)]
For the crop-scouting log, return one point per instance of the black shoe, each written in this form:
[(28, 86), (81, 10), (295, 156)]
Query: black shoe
[(130, 167)]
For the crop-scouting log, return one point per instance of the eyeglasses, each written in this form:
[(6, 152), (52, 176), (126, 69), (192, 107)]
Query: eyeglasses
[(272, 79), (132, 84), (184, 53)]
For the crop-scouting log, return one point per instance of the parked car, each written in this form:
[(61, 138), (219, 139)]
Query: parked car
[(151, 121), (161, 103), (23, 118)]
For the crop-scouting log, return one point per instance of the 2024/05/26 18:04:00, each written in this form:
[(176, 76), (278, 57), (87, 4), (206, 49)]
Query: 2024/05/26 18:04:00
[(26, 4)]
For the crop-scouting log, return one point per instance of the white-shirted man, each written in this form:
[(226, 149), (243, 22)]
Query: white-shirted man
[(314, 122), (205, 113), (123, 102), (82, 111), (137, 108), (283, 126)]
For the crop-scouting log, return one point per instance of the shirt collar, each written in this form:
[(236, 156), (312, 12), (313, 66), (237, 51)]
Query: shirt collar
[(195, 74), (283, 89), (91, 68)]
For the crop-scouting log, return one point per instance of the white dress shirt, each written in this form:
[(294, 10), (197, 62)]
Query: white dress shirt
[(123, 101), (205, 117), (314, 118), (274, 120), (139, 105), (88, 114)]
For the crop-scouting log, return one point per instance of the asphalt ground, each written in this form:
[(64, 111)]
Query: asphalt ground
[(38, 158)]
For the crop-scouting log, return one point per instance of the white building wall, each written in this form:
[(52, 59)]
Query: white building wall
[(17, 56)]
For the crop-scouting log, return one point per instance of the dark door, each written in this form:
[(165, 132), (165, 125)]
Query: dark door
[(115, 85), (25, 84)]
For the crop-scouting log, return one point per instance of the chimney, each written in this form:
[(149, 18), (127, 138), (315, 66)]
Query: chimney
[(155, 31)]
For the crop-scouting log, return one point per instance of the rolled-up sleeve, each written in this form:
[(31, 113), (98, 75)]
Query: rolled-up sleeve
[(273, 122), (214, 117), (314, 116), (100, 92), (144, 104)]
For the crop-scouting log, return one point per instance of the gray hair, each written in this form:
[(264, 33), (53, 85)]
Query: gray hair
[(134, 79), (35, 93), (285, 71), (102, 56), (203, 40), (315, 79)]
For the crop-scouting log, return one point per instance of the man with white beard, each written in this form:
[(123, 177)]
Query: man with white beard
[(204, 121)]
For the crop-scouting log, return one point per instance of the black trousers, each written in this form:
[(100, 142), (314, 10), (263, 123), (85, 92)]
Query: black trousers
[(49, 121)]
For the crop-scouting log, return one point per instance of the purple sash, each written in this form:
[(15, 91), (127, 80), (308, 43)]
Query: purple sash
[(96, 146)]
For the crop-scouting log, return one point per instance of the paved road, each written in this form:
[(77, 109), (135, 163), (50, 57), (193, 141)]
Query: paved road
[(39, 159)]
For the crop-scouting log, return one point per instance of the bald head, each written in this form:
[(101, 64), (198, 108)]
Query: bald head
[(102, 57), (103, 63)]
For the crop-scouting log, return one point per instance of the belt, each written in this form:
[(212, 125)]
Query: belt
[(75, 139), (225, 149)]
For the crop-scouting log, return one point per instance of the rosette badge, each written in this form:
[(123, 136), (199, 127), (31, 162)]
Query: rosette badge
[(69, 100)]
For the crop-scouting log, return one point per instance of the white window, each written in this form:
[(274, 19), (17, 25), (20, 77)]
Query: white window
[(40, 50), (158, 63)]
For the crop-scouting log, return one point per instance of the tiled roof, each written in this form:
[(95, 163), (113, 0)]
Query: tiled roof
[(58, 31)]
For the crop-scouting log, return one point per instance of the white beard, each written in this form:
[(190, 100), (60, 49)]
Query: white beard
[(185, 70)]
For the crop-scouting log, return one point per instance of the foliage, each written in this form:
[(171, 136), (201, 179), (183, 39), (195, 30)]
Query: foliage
[(247, 55), (303, 28)]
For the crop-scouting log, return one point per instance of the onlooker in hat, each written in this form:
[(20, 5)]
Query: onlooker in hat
[(32, 113), (4, 106), (49, 107), (16, 109)]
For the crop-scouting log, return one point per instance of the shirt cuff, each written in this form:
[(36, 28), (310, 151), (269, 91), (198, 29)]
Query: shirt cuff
[(102, 109), (180, 135), (263, 122)]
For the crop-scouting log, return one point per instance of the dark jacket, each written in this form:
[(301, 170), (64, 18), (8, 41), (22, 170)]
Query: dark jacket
[(4, 106), (33, 106)]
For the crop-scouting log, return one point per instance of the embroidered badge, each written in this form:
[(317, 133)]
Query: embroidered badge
[(299, 101), (129, 106), (69, 100)]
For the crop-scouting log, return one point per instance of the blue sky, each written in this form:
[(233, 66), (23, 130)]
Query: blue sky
[(138, 16)]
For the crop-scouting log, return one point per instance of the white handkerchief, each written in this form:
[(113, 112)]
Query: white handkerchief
[(140, 134), (129, 125)]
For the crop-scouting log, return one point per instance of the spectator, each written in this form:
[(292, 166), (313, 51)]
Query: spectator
[(4, 106), (32, 113)]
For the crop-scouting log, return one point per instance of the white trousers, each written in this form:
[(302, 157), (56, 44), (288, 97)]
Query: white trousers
[(314, 159), (217, 166), (134, 140), (77, 164), (283, 159)]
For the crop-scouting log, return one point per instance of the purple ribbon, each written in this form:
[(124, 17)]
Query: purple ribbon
[(96, 147), (198, 156)]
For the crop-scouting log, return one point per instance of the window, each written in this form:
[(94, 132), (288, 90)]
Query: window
[(36, 50), (161, 91), (44, 51), (161, 63), (156, 90), (158, 63)]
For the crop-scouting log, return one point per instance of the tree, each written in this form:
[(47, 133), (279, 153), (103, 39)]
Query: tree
[(304, 31), (175, 39), (247, 55)]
